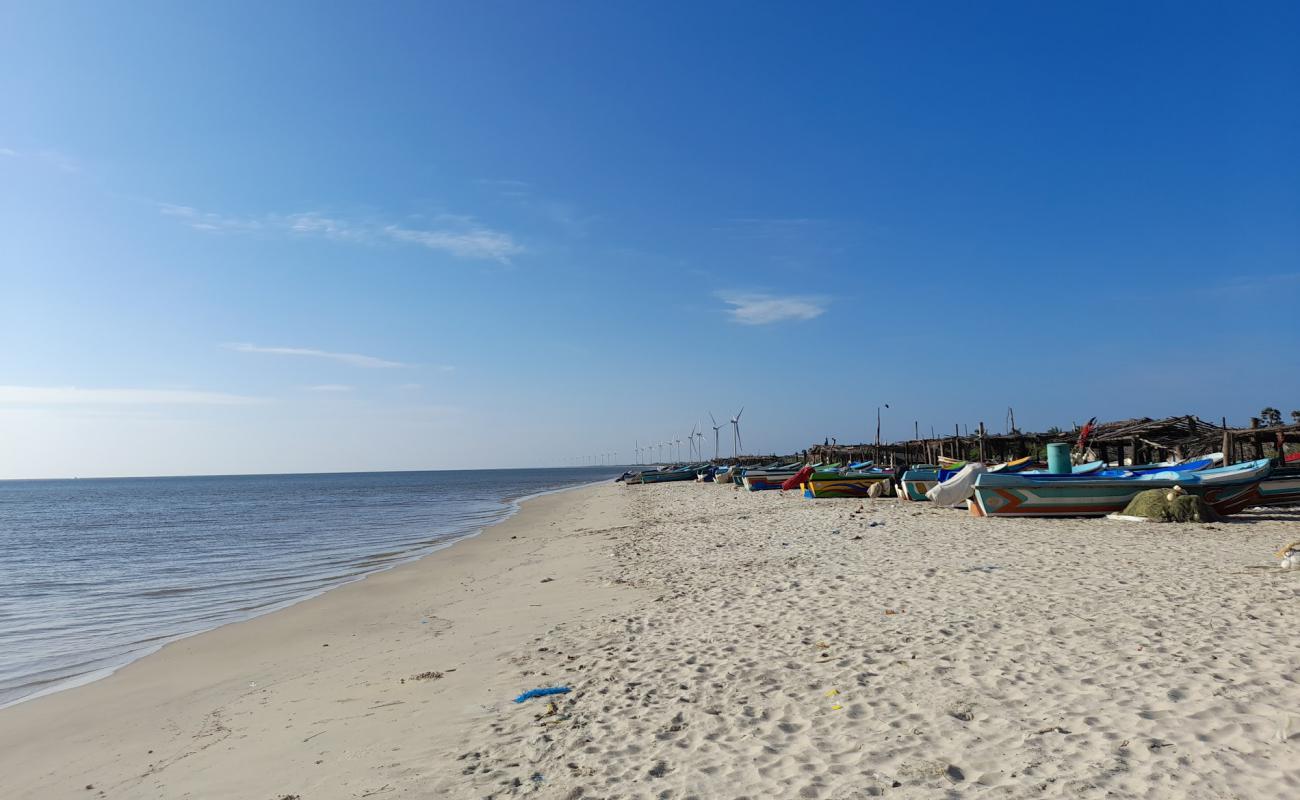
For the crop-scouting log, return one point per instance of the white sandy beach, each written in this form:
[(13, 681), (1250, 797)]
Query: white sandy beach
[(725, 644)]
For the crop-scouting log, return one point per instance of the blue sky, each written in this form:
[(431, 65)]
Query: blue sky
[(248, 237)]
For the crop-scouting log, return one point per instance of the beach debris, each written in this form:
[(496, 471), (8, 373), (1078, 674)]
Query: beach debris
[(962, 711), (543, 692), (834, 693), (954, 774), (427, 676), (835, 530), (547, 580), (822, 645), (1290, 555)]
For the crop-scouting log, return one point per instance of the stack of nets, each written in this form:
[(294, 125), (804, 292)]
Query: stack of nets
[(1167, 505)]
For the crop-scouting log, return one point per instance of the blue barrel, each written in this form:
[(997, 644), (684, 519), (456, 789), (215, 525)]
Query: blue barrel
[(1058, 458)]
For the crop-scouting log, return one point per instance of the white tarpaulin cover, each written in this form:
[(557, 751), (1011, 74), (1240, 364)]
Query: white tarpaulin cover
[(957, 489)]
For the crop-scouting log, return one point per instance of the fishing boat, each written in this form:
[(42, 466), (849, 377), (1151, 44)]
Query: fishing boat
[(918, 480), (1015, 465), (722, 476), (686, 473), (844, 483), (1227, 490), (1280, 488), (757, 480), (1092, 470)]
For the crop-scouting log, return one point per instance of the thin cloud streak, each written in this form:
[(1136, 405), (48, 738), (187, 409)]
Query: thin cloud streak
[(752, 308), (471, 242), (351, 359), (457, 235), (75, 395), (330, 388)]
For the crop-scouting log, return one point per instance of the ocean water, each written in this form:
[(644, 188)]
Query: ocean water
[(96, 573)]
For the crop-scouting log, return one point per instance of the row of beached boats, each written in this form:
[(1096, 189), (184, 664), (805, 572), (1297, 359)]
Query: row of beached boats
[(1015, 488)]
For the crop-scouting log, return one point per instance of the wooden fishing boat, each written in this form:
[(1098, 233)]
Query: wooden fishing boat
[(918, 480), (722, 475), (686, 473), (1015, 465), (844, 484), (764, 479), (1227, 490), (1281, 488)]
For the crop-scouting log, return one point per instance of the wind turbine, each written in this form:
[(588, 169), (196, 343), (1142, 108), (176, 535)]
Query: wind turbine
[(699, 442), (716, 428), (735, 433), (690, 440)]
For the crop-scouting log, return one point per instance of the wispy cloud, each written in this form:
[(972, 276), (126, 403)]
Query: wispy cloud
[(75, 395), (751, 308), (207, 221), (329, 387), (5, 151), (467, 241), (457, 235), (351, 359)]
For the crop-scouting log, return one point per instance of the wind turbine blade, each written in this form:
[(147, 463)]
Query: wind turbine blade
[(738, 413), (711, 419)]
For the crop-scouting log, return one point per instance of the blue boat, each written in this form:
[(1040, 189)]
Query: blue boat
[(1227, 490)]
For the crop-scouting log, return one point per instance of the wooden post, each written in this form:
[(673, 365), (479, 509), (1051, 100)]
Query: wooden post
[(1227, 448), (981, 442)]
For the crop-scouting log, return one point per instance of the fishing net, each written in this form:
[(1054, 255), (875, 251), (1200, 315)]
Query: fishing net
[(1167, 505)]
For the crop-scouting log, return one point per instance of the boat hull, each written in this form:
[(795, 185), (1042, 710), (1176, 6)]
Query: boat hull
[(765, 481), (1282, 488), (1228, 492), (849, 486), (916, 482), (666, 477)]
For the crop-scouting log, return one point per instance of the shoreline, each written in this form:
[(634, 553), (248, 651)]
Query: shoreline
[(94, 718), (724, 644), (512, 507)]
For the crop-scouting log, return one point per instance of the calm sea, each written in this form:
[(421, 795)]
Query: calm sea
[(96, 573)]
